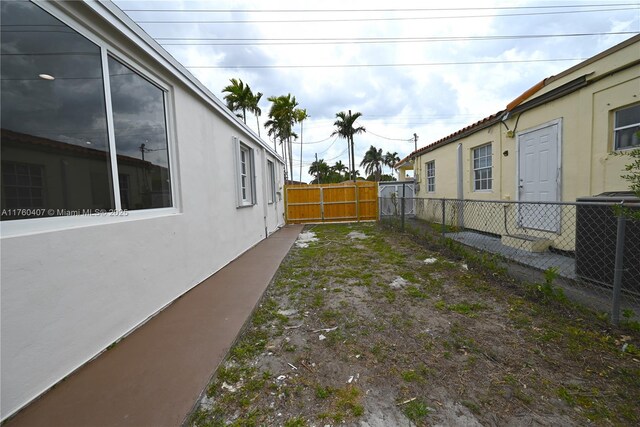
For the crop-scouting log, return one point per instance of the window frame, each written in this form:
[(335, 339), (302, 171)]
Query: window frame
[(616, 129), (271, 172), (477, 186), (430, 168), (246, 195), (107, 48)]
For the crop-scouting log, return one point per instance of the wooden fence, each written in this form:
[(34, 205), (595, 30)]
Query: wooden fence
[(347, 201)]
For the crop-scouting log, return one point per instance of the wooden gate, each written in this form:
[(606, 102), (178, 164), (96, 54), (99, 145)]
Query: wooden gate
[(347, 201)]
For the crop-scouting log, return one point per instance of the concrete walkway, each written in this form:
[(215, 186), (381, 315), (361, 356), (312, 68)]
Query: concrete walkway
[(154, 376)]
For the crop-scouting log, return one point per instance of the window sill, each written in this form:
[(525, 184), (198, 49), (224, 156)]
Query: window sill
[(635, 147), (32, 226), (248, 205)]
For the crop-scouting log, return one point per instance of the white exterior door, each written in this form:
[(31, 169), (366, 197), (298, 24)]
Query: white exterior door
[(390, 199), (539, 178)]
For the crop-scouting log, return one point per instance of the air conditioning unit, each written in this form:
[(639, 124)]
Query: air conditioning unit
[(596, 230)]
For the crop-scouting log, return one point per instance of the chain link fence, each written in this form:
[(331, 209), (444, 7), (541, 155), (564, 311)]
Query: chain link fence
[(591, 247)]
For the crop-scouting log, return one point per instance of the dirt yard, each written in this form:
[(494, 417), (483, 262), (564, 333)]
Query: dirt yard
[(366, 326)]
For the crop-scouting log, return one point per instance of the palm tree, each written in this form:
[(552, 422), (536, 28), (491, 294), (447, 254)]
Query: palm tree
[(255, 109), (239, 97), (320, 169), (280, 125), (339, 167), (373, 161), (391, 159), (345, 129), (300, 115)]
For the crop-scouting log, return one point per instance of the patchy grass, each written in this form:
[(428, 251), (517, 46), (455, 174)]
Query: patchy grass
[(449, 345)]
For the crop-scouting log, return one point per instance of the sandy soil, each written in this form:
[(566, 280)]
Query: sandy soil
[(368, 327)]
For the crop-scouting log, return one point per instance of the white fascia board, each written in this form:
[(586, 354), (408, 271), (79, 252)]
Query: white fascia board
[(121, 22)]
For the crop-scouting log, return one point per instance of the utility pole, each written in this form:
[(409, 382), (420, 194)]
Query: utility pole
[(353, 159), (317, 170), (291, 158), (301, 144), (415, 156)]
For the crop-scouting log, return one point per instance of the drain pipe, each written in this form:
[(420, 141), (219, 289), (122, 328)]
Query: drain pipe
[(460, 187)]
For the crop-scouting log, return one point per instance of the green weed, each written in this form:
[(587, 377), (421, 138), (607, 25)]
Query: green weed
[(416, 411)]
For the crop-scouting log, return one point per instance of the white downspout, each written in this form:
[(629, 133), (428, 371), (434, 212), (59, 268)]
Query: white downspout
[(265, 172), (460, 186)]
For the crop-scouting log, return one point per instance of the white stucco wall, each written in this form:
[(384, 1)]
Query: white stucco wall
[(72, 286)]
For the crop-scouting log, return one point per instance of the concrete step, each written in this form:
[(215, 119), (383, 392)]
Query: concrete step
[(525, 242)]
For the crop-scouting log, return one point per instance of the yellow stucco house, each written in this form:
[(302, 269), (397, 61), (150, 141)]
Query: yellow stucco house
[(553, 143)]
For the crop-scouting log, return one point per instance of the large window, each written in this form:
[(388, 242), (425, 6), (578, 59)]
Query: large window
[(431, 176), (482, 165), (627, 127), (57, 154), (141, 137)]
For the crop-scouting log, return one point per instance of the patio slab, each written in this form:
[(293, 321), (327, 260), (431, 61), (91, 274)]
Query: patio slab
[(154, 376)]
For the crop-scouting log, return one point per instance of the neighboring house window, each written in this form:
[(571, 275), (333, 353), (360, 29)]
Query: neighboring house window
[(272, 181), (431, 176), (55, 111), (482, 179), (22, 187), (246, 175), (627, 127)]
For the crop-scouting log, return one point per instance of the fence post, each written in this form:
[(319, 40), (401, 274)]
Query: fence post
[(618, 269), (444, 227), (402, 209), (321, 205), (357, 195)]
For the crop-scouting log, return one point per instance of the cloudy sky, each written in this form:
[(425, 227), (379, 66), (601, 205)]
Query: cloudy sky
[(428, 68)]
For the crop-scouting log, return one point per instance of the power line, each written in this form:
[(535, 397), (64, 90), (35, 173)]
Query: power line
[(330, 145), (437, 9), (404, 18), (181, 41), (313, 142), (426, 64), (338, 156), (390, 139)]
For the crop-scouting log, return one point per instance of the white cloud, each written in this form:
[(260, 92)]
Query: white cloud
[(432, 101)]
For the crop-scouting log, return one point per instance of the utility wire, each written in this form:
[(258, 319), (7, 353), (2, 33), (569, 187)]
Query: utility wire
[(386, 65), (436, 9), (404, 18), (330, 145), (390, 139), (313, 142), (207, 41), (338, 156)]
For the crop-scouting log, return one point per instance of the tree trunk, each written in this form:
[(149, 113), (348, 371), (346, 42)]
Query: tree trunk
[(353, 159)]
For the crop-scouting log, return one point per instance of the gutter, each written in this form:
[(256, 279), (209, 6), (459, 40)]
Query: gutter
[(526, 94)]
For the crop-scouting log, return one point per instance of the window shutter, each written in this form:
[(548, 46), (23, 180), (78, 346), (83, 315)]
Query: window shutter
[(254, 196), (236, 158)]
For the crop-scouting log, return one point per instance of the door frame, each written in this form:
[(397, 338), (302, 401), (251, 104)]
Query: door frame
[(557, 122)]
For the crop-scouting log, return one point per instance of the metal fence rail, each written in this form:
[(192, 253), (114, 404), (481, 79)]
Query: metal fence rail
[(593, 246)]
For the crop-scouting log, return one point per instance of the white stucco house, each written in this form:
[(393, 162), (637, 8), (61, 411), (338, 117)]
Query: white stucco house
[(125, 183)]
